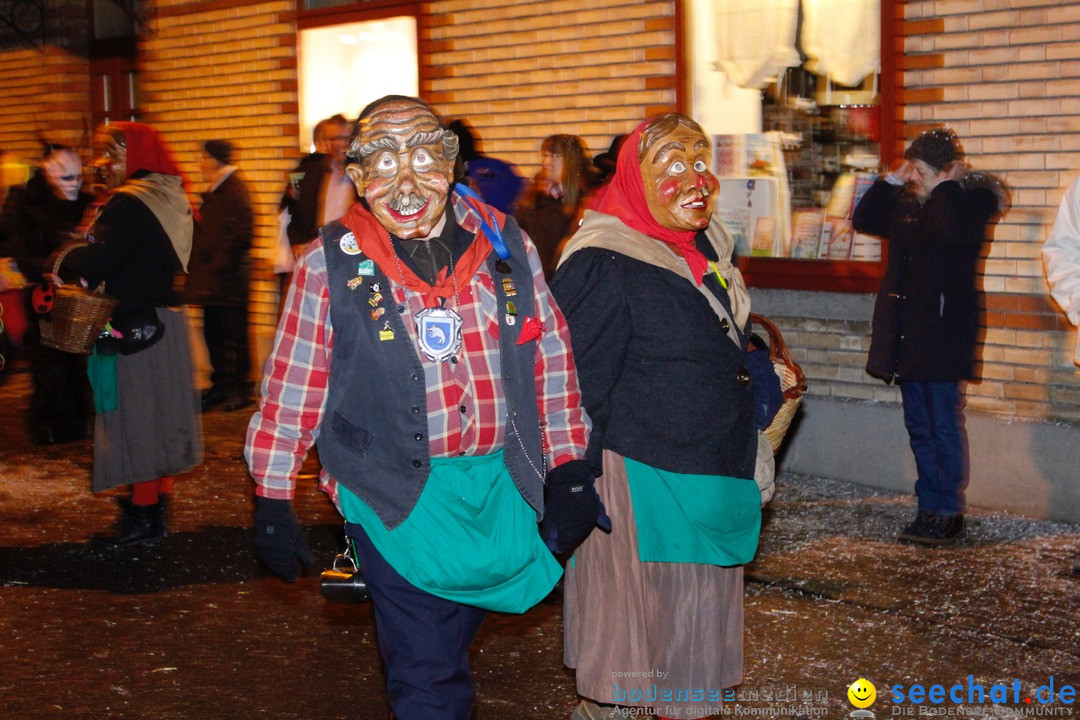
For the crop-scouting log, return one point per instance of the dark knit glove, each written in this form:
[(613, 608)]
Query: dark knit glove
[(571, 507), (279, 540)]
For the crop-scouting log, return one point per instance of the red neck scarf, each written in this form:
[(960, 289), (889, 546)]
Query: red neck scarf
[(374, 242), (624, 197)]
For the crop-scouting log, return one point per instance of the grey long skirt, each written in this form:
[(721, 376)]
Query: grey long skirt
[(155, 429), (634, 630)]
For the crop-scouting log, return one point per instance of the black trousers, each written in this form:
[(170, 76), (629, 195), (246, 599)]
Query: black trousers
[(423, 639), (226, 331)]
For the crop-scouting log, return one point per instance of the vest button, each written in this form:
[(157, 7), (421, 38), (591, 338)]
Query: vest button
[(463, 409), (414, 377), (453, 360), (416, 463), (401, 308), (418, 436), (742, 376), (724, 324), (415, 409)]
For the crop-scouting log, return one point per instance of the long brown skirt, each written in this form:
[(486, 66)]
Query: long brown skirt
[(639, 633), (155, 429)]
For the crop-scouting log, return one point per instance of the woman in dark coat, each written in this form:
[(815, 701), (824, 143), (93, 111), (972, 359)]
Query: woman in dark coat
[(550, 208), (658, 321), (147, 427), (935, 214)]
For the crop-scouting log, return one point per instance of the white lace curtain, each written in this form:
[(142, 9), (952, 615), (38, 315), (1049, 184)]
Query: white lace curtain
[(756, 39)]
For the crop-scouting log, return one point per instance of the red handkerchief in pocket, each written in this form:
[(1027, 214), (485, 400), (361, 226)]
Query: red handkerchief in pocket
[(531, 329)]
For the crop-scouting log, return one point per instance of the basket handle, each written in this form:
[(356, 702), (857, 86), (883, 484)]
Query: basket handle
[(63, 254), (778, 351), (100, 289)]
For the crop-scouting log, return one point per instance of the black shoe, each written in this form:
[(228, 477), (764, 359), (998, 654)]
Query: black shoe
[(931, 528), (137, 524), (213, 396)]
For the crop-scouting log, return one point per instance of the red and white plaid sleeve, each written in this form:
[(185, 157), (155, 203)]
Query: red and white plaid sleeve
[(566, 424), (294, 384)]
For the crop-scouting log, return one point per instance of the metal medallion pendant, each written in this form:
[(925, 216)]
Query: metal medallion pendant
[(439, 333)]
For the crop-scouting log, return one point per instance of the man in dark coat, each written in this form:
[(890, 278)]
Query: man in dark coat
[(935, 212), (321, 192), (219, 273)]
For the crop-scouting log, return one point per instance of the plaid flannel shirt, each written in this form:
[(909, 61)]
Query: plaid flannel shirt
[(465, 405)]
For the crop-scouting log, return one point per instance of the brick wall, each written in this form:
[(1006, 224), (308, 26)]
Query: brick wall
[(227, 69), (1006, 76), (517, 71), (523, 70), (1003, 74), (44, 91)]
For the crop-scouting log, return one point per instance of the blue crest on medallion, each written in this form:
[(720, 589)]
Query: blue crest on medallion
[(439, 332)]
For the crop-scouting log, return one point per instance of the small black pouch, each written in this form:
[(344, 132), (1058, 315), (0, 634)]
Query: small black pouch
[(139, 328)]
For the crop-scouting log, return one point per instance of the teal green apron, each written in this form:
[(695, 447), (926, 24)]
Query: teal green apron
[(471, 538), (101, 369), (706, 519)]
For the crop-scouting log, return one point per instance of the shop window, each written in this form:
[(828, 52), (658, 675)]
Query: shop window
[(344, 66), (798, 127)]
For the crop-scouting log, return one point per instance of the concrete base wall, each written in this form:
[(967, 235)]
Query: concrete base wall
[(1029, 468)]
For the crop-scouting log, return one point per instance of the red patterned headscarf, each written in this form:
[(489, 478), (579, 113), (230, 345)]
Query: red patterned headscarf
[(624, 197)]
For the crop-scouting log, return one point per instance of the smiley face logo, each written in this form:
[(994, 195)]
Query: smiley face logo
[(862, 693)]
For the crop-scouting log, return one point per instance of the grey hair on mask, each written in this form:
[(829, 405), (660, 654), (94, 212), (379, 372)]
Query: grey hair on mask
[(357, 152)]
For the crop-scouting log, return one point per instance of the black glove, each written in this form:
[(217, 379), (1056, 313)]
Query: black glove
[(571, 507), (279, 540), (768, 395)]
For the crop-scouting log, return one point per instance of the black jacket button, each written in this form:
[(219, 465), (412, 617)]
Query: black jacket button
[(416, 463), (742, 375)]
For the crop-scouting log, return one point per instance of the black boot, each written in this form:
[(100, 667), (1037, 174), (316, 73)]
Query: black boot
[(213, 396), (162, 513), (137, 523)]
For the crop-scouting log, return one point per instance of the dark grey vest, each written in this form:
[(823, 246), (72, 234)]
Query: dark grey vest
[(374, 433)]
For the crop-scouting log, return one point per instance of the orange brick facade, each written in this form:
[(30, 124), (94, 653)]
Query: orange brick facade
[(1003, 74)]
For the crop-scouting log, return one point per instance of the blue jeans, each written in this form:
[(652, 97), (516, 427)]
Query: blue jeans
[(423, 639), (932, 416)]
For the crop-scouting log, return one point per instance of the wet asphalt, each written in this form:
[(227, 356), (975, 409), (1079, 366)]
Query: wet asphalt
[(192, 627)]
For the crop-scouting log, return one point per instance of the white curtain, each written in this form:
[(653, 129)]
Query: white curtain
[(756, 39), (842, 38)]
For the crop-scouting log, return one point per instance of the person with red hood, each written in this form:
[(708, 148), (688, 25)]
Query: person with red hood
[(147, 426), (658, 321)]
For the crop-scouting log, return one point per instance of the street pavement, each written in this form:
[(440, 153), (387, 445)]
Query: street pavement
[(193, 628)]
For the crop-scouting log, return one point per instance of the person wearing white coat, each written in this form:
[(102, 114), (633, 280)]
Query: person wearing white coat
[(1061, 256)]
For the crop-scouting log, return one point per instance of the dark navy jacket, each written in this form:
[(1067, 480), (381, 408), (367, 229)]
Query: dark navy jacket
[(660, 378), (926, 315)]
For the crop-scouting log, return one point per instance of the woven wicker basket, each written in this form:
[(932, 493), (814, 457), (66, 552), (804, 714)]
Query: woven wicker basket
[(792, 382), (77, 316)]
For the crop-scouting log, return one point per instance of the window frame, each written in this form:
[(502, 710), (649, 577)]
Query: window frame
[(847, 275), (365, 10)]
